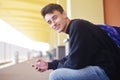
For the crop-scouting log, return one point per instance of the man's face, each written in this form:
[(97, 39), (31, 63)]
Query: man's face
[(56, 20)]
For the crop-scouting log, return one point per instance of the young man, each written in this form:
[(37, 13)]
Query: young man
[(93, 55)]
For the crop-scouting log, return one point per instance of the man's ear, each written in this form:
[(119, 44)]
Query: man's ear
[(64, 14)]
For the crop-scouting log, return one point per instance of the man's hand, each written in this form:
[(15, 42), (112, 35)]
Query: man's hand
[(41, 65)]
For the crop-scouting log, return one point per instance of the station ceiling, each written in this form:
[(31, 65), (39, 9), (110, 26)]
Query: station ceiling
[(24, 16)]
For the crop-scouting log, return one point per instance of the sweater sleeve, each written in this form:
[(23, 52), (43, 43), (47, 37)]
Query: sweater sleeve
[(54, 64)]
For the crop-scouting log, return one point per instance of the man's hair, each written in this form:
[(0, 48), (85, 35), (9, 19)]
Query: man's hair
[(50, 8)]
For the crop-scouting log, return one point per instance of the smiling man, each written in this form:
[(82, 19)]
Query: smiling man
[(93, 55)]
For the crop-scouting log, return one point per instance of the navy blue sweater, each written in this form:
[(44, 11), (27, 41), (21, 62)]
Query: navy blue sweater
[(90, 46)]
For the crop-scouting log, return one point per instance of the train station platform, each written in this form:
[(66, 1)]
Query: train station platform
[(23, 71)]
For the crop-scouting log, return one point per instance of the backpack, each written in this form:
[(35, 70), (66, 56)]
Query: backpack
[(113, 32)]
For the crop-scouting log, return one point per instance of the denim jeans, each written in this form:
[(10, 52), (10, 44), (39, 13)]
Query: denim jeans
[(87, 73)]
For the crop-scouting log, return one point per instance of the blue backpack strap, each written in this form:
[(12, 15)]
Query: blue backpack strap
[(113, 32), (117, 29)]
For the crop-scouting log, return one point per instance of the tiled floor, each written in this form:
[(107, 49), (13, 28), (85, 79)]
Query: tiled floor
[(22, 71)]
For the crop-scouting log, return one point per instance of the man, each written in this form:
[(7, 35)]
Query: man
[(93, 55)]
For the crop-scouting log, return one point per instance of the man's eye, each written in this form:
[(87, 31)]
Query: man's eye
[(54, 17), (49, 22)]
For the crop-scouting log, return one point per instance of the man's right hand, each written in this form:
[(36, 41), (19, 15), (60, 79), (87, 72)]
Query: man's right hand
[(41, 65)]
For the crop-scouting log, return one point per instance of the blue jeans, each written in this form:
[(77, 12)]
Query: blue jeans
[(87, 73)]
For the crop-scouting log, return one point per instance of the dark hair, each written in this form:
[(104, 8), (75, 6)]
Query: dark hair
[(50, 8)]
